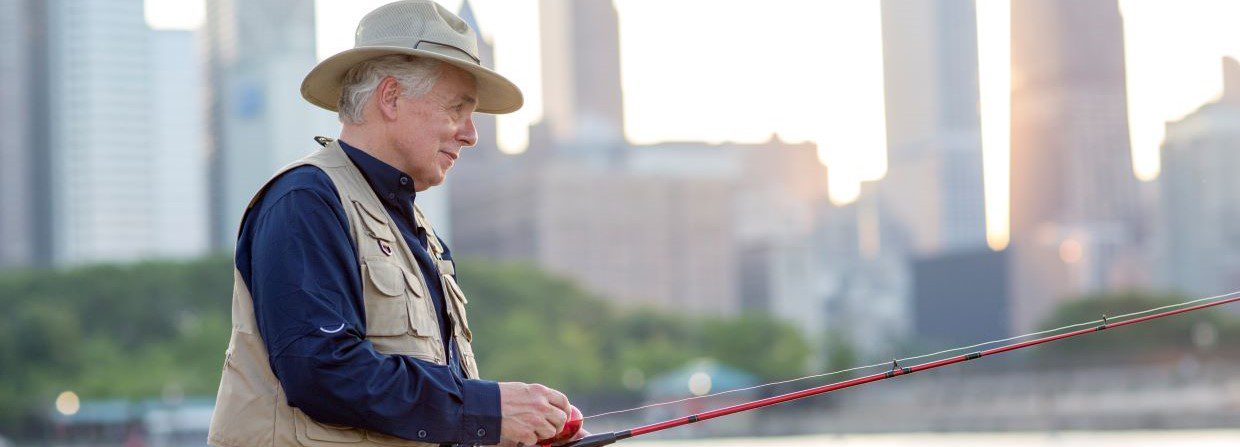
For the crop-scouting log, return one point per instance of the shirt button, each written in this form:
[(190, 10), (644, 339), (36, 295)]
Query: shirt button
[(421, 433), (391, 196), (482, 432), (404, 180)]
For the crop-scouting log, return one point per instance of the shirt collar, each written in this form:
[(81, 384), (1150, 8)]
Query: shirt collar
[(390, 184)]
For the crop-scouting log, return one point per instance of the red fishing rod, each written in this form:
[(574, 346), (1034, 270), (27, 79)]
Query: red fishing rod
[(896, 370)]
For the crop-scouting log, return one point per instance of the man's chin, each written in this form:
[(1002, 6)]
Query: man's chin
[(437, 181)]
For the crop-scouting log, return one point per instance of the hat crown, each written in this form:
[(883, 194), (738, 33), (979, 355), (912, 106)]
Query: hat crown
[(418, 24), (415, 28)]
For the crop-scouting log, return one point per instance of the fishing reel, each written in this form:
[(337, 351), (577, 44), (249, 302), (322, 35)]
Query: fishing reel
[(570, 428)]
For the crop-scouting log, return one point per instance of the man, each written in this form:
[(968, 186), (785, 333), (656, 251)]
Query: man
[(348, 325)]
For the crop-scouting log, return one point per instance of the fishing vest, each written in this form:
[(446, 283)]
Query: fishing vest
[(251, 408)]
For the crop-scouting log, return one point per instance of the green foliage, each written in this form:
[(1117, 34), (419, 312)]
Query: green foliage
[(111, 331), (528, 326), (759, 344), (135, 331), (532, 327), (840, 354), (1161, 339)]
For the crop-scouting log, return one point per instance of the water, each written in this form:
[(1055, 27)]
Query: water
[(1194, 438)]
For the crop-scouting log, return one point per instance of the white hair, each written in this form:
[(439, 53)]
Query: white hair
[(416, 75)]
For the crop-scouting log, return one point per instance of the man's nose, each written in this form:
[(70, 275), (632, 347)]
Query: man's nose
[(468, 135)]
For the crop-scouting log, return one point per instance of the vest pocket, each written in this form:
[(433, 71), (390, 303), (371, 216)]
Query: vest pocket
[(396, 320), (376, 226), (458, 305), (464, 337), (313, 433), (387, 312)]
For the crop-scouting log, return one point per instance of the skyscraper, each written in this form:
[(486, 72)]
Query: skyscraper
[(960, 298), (105, 122), (582, 105), (1074, 216), (933, 186), (98, 119), (1199, 216), (178, 151), (23, 150), (258, 53)]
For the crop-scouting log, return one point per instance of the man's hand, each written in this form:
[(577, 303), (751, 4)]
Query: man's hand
[(530, 412)]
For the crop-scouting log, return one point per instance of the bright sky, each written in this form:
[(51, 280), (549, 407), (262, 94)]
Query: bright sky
[(776, 69), (1173, 56)]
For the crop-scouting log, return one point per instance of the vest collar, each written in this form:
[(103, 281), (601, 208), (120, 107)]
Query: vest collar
[(393, 186)]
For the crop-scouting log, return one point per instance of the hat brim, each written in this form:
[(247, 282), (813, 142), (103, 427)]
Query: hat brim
[(321, 87)]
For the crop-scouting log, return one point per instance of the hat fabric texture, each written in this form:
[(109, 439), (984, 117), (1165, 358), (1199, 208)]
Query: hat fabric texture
[(420, 28)]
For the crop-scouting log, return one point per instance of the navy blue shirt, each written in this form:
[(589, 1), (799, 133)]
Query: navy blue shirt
[(297, 257)]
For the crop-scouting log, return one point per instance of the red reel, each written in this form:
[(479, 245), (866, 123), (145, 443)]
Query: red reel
[(570, 428)]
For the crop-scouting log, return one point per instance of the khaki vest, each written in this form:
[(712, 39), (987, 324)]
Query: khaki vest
[(251, 408)]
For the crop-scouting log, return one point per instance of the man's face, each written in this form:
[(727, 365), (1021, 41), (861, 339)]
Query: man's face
[(431, 130)]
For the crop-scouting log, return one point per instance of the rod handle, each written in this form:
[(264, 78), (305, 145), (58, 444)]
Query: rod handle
[(595, 440)]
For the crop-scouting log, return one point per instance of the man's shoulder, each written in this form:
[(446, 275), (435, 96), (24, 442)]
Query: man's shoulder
[(301, 198), (306, 183), (307, 178)]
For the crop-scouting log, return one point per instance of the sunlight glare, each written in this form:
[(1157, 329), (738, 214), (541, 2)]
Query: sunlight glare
[(174, 14), (994, 56), (853, 130)]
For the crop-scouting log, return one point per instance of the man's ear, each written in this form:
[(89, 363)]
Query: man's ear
[(386, 95)]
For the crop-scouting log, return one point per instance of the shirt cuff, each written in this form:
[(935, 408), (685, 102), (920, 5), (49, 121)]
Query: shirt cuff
[(480, 422)]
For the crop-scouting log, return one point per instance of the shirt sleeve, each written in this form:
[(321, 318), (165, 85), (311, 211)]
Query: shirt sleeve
[(306, 285)]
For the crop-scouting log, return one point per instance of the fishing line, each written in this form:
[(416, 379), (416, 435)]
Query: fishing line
[(1105, 319), (897, 370)]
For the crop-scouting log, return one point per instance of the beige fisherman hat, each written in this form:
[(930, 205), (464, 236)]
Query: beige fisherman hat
[(419, 28)]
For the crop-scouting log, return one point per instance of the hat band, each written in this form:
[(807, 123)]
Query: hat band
[(444, 46), (431, 46)]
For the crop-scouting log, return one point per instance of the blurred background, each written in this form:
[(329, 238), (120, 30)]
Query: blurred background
[(698, 196)]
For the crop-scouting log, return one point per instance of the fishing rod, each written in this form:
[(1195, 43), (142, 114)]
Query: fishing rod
[(575, 420)]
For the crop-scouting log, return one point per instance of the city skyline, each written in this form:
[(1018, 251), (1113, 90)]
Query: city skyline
[(1193, 34), (1079, 216)]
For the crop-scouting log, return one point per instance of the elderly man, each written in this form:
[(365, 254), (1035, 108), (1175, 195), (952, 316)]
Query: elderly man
[(348, 324)]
